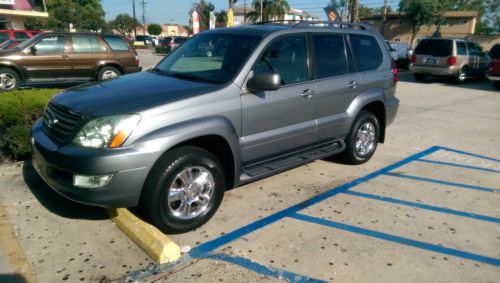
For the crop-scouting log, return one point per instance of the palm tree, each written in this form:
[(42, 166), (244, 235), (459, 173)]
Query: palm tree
[(272, 10), (231, 3)]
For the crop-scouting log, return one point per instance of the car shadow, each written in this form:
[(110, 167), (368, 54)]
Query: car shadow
[(56, 203), (472, 83), (12, 278)]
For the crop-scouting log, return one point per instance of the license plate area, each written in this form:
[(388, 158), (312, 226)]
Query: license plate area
[(430, 61)]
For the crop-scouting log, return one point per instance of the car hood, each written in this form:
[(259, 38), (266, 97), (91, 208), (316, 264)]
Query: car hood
[(129, 94)]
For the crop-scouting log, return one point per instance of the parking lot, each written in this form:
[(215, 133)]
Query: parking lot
[(425, 208)]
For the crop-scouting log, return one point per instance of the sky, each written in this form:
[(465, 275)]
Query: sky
[(176, 11)]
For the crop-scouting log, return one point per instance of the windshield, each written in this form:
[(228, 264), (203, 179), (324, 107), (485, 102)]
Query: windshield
[(211, 58), (435, 47), (26, 43)]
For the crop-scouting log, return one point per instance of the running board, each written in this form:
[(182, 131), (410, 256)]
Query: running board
[(278, 165)]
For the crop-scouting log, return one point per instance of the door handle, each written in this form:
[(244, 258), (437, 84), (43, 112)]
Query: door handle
[(353, 84), (307, 93)]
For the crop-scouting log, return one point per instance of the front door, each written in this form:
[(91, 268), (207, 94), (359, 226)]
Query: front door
[(277, 122), (47, 58)]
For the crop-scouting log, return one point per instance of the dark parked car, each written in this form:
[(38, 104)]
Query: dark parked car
[(494, 68), (49, 57), (11, 43), (171, 42), (227, 107)]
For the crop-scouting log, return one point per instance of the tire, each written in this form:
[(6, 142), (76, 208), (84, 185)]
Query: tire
[(496, 85), (9, 80), (420, 77), (107, 73), (461, 76), (353, 154), (162, 205)]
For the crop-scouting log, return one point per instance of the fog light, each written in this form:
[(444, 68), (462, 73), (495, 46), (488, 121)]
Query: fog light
[(91, 182)]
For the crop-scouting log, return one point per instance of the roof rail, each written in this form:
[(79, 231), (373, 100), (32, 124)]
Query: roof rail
[(302, 24)]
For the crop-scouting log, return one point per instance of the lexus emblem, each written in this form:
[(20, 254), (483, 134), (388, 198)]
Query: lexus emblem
[(52, 121)]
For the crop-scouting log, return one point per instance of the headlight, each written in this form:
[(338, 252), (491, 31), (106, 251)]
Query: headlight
[(107, 132)]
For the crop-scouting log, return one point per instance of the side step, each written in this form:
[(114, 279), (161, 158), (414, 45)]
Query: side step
[(296, 159)]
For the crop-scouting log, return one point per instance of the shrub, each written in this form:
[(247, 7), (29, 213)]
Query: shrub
[(19, 109)]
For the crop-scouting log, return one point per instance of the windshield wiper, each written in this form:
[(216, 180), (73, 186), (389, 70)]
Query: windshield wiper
[(188, 76), (160, 71)]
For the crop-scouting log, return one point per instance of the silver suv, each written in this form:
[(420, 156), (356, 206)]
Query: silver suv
[(226, 108), (455, 58)]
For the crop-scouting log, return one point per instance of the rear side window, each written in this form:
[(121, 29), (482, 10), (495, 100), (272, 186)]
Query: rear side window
[(288, 57), (461, 49), (20, 35), (474, 49), (330, 56), (115, 43), (86, 43), (435, 47), (367, 52)]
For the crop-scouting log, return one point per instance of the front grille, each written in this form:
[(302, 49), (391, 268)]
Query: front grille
[(59, 122)]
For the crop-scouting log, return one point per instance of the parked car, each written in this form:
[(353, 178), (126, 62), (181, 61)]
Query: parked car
[(494, 67), (393, 52), (403, 54), (6, 34), (171, 42), (143, 40), (49, 57), (456, 58), (228, 107), (11, 43)]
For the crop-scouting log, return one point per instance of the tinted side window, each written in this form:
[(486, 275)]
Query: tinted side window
[(330, 56), (435, 47), (366, 51), (288, 57), (461, 49), (50, 45), (115, 43), (86, 43), (473, 49), (20, 35)]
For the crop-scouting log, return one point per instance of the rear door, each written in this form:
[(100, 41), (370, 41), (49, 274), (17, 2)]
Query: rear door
[(85, 54), (433, 52), (280, 121), (336, 84), (49, 58)]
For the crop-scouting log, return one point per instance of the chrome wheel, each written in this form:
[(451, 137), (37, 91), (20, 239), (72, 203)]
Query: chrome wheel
[(461, 76), (109, 74), (7, 81), (190, 193), (365, 139)]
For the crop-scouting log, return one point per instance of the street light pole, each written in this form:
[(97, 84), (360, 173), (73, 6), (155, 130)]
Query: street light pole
[(261, 10)]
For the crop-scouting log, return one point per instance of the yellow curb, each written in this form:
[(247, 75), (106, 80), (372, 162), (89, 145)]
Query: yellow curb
[(13, 251), (156, 244)]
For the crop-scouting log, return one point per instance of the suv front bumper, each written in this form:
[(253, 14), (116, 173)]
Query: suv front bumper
[(57, 166)]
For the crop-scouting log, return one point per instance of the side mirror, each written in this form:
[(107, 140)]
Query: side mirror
[(32, 50), (265, 81)]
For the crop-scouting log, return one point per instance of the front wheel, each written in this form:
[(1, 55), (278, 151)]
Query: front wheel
[(362, 141), (184, 190), (107, 73)]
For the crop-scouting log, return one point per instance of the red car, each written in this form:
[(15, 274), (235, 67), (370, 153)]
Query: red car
[(494, 68), (6, 34)]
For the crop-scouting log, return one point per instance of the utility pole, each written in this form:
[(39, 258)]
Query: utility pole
[(135, 19), (244, 11), (384, 18), (261, 10), (355, 11), (143, 3)]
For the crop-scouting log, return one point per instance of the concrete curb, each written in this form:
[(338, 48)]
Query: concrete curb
[(156, 244)]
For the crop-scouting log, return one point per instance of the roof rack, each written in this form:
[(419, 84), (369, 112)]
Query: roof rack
[(327, 24)]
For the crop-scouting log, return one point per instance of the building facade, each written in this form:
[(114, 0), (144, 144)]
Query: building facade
[(13, 13)]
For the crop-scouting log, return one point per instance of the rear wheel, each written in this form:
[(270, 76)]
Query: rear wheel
[(362, 141), (420, 77), (107, 73), (461, 75), (9, 79), (184, 190)]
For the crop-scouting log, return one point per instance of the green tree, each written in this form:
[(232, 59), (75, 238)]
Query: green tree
[(221, 18), (83, 14), (124, 24), (154, 29), (418, 13), (231, 3), (203, 8), (364, 11)]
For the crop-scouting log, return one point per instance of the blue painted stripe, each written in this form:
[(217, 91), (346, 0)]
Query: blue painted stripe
[(468, 153), (458, 165), (240, 232), (425, 206), (253, 266), (411, 177), (398, 239)]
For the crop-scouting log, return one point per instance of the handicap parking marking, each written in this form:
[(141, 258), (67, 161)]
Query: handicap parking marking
[(208, 249)]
